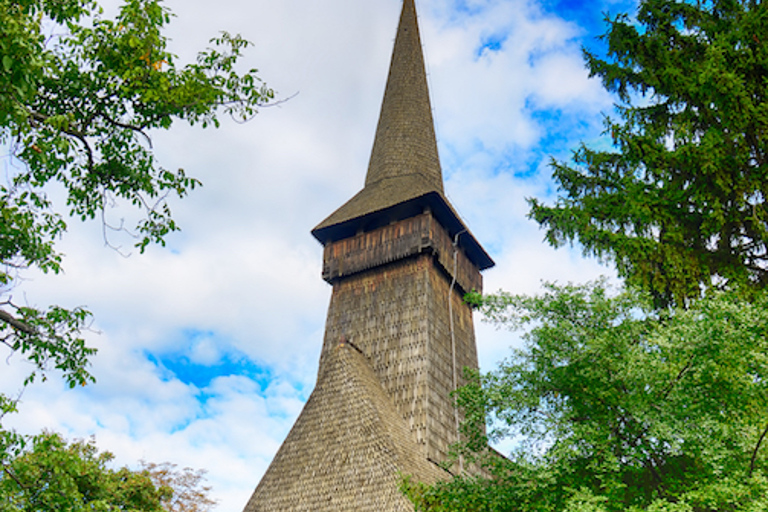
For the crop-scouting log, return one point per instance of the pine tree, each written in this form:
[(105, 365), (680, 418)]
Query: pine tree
[(679, 203)]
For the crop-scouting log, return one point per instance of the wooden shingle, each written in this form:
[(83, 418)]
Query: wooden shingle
[(348, 449)]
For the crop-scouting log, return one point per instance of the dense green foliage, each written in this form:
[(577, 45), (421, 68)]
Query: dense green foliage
[(618, 407), (80, 95), (75, 477), (54, 475), (679, 202)]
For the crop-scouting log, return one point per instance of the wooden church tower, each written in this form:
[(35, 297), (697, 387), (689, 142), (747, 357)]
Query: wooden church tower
[(398, 333)]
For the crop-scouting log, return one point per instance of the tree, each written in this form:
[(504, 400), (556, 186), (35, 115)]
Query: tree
[(679, 203), (72, 477), (79, 97), (620, 407), (189, 493)]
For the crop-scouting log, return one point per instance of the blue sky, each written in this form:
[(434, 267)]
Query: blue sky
[(208, 348)]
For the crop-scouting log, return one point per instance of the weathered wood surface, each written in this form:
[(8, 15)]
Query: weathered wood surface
[(347, 450), (398, 315), (410, 237)]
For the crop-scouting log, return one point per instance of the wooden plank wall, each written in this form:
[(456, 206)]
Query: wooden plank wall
[(410, 237)]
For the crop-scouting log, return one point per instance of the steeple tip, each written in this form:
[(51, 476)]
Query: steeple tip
[(404, 162), (405, 144)]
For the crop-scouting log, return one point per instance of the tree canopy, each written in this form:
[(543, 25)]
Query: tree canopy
[(679, 202), (80, 95), (189, 493), (616, 406), (53, 474)]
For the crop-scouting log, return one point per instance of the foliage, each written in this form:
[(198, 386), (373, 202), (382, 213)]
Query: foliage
[(616, 406), (79, 97), (680, 201), (189, 493), (74, 477)]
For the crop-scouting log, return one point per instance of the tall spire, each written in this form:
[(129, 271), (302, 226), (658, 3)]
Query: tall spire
[(404, 177), (405, 145), (404, 162)]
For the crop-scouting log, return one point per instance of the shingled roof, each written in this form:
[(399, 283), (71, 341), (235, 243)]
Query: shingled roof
[(404, 174), (348, 448), (404, 162)]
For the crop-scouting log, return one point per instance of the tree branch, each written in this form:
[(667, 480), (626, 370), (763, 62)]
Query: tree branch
[(124, 125), (678, 378), (41, 118), (10, 474), (16, 323), (754, 452)]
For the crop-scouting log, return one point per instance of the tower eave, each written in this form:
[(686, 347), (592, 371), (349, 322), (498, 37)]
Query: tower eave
[(339, 226)]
